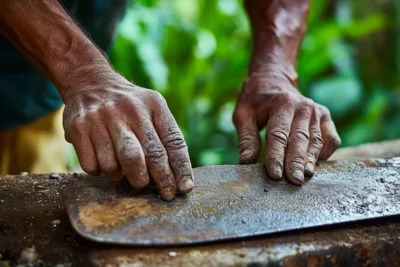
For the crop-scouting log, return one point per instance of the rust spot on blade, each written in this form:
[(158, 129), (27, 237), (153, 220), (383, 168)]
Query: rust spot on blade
[(110, 214)]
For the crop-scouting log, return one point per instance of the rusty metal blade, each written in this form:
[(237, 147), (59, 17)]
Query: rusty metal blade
[(233, 201)]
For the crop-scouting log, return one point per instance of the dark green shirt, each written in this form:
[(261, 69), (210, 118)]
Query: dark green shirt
[(25, 93)]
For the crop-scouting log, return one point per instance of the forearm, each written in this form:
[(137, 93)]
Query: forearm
[(278, 27), (49, 37)]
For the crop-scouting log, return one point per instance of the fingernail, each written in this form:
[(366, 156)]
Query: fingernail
[(168, 193), (298, 176), (244, 156), (277, 171), (309, 169), (186, 185), (245, 153)]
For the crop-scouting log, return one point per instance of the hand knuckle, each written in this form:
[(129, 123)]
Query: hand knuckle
[(237, 117), (246, 139), (92, 116), (312, 155), (68, 134), (297, 160), (307, 102), (156, 153), (108, 111), (76, 125), (317, 142), (74, 130), (334, 141), (324, 111), (305, 112), (286, 99), (174, 141), (278, 135), (274, 159), (301, 135), (316, 139), (156, 97)]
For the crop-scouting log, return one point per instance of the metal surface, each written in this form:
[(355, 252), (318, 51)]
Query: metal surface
[(32, 218), (233, 201)]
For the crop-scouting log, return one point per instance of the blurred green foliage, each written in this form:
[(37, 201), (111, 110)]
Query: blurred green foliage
[(196, 54)]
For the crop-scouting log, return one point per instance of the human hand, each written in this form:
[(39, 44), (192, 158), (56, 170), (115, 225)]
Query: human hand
[(118, 128), (298, 133)]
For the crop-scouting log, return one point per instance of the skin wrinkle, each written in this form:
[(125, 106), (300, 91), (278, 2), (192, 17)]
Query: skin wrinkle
[(96, 97), (269, 97), (276, 140), (172, 139), (298, 140), (316, 143), (101, 106), (156, 158)]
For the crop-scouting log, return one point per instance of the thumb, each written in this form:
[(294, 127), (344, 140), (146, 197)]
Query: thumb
[(249, 140), (331, 138)]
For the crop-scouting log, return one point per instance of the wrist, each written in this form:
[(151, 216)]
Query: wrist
[(270, 74), (271, 55), (270, 66), (76, 70)]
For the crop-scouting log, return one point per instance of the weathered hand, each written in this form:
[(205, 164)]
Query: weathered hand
[(119, 129), (299, 131)]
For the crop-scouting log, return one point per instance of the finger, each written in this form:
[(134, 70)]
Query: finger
[(84, 150), (298, 144), (249, 140), (277, 134), (156, 159), (130, 155), (106, 157), (315, 144), (330, 136), (173, 141)]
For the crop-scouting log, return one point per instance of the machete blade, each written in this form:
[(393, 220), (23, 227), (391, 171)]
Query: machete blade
[(231, 202)]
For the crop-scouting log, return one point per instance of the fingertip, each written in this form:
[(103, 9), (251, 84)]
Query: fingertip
[(336, 141), (139, 182), (186, 185), (332, 144), (248, 156), (249, 142), (87, 157), (91, 169), (168, 193), (331, 139), (309, 170), (274, 171), (296, 177), (308, 174)]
